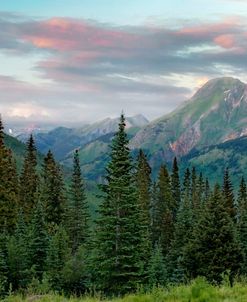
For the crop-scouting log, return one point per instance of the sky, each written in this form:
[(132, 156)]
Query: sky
[(66, 62)]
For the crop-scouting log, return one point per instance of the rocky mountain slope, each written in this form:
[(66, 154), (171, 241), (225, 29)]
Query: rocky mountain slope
[(216, 113)]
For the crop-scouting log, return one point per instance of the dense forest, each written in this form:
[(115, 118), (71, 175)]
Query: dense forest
[(148, 232)]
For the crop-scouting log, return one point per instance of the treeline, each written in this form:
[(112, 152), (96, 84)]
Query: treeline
[(147, 233)]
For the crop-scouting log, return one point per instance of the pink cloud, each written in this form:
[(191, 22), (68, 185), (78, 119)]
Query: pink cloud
[(225, 41), (73, 35)]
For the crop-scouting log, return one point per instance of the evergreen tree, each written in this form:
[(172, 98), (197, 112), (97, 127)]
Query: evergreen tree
[(175, 184), (9, 187), (207, 190), (18, 257), (143, 182), (157, 274), (3, 265), (229, 195), (38, 242), (242, 222), (117, 254), (3, 275), (77, 217), (214, 248), (164, 220), (242, 198), (182, 235), (75, 273), (52, 196), (57, 255), (29, 179)]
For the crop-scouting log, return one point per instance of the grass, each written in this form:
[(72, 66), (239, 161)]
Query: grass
[(198, 291)]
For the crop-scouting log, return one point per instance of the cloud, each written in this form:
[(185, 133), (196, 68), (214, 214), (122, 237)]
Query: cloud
[(96, 66)]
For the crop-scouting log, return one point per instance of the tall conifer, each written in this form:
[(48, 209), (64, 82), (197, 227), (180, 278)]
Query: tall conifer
[(175, 184), (9, 187), (77, 216), (229, 195), (117, 259), (29, 179), (214, 248), (52, 193)]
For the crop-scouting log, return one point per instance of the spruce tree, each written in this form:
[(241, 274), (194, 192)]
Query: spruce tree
[(117, 247), (242, 222), (163, 227), (143, 182), (157, 273), (38, 242), (18, 257), (77, 216), (214, 248), (57, 255), (182, 235), (229, 195), (9, 187), (29, 180), (175, 184), (52, 193), (3, 275)]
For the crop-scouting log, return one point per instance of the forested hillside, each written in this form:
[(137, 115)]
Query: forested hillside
[(148, 233)]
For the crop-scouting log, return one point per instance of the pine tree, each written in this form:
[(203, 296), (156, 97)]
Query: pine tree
[(29, 180), (143, 182), (78, 216), (157, 273), (182, 235), (117, 254), (57, 255), (38, 242), (18, 258), (214, 248), (163, 227), (175, 184), (9, 187), (229, 195), (242, 198), (52, 193), (3, 275), (242, 222), (207, 191), (75, 273)]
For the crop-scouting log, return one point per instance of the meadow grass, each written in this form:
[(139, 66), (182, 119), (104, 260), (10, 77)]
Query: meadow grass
[(198, 291)]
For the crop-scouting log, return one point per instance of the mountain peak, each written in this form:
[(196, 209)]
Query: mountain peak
[(218, 84)]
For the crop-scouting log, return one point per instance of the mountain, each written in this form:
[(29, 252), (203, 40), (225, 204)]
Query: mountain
[(213, 160), (215, 114), (17, 147), (95, 155), (63, 140)]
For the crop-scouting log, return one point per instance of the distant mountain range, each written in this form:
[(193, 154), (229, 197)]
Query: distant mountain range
[(208, 131), (63, 140)]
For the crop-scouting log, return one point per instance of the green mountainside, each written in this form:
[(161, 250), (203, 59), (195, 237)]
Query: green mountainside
[(213, 160), (17, 147), (205, 131), (216, 113)]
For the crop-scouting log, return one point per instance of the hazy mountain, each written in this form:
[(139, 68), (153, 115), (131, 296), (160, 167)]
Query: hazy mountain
[(63, 140)]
